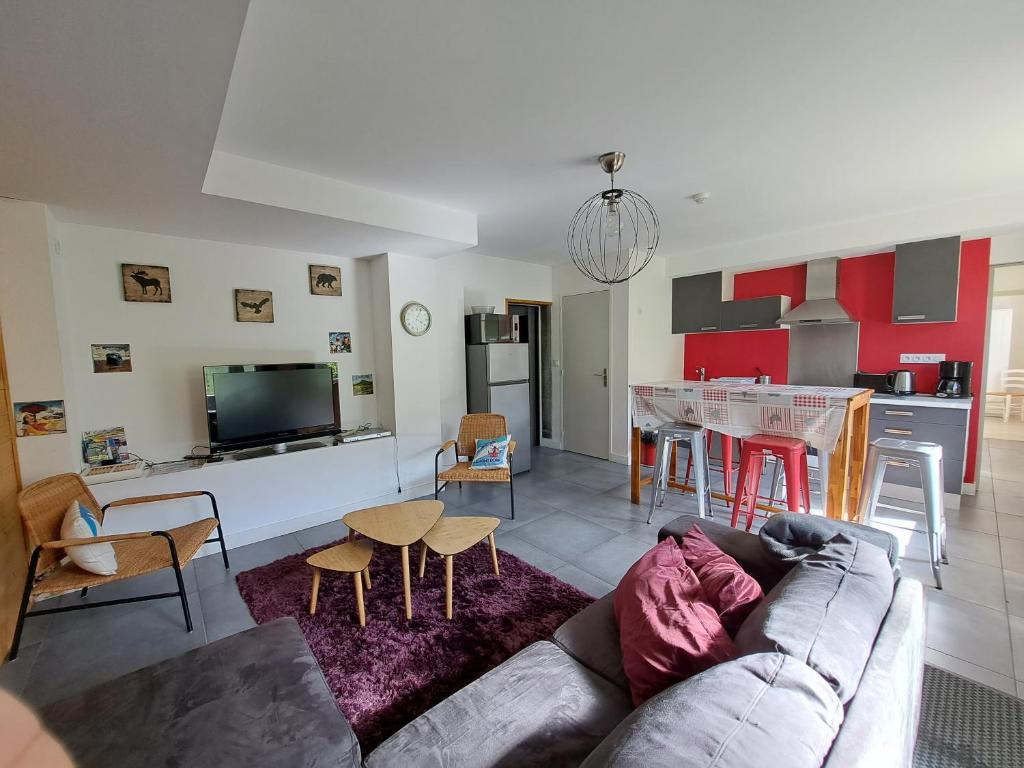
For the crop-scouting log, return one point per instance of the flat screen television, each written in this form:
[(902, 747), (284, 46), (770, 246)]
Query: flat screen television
[(255, 405)]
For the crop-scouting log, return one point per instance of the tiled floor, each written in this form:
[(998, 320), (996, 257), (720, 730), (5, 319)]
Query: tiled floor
[(573, 519), (997, 429)]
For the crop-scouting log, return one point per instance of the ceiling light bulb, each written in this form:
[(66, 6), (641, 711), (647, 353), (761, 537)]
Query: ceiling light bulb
[(612, 219)]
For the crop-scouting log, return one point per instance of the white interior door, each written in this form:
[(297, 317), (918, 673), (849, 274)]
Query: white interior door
[(1000, 333), (585, 404)]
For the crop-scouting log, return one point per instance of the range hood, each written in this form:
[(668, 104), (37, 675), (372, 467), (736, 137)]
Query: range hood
[(821, 305)]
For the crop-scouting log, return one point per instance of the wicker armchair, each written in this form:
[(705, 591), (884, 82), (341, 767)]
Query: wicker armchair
[(43, 505), (475, 426)]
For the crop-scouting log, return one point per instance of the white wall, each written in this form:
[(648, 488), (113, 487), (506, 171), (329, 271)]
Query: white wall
[(161, 402), (655, 353), (466, 280), (31, 335)]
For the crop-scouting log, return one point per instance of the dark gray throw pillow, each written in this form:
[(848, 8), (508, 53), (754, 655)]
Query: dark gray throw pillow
[(762, 711), (826, 612), (792, 537)]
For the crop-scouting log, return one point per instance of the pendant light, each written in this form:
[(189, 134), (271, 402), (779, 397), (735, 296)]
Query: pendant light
[(615, 232)]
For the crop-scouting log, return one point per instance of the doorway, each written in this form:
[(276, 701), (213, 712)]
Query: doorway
[(1004, 376), (585, 404)]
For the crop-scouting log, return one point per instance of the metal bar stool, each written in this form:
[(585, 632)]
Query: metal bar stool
[(674, 432), (928, 458)]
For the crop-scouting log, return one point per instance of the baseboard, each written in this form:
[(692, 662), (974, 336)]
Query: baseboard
[(253, 535), (618, 458)]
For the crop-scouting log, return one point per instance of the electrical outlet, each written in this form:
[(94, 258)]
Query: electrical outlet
[(922, 357)]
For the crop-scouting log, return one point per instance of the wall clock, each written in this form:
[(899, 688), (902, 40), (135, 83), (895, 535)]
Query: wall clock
[(415, 318)]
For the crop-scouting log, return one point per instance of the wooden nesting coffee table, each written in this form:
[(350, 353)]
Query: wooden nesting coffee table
[(350, 557), (451, 535), (398, 525)]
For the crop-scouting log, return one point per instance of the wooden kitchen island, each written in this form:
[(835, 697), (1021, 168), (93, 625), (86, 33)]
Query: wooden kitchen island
[(833, 420)]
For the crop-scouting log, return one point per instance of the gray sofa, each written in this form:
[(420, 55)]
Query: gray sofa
[(830, 675)]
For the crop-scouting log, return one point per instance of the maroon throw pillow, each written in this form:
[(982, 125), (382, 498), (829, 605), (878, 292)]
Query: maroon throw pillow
[(732, 591), (668, 630)]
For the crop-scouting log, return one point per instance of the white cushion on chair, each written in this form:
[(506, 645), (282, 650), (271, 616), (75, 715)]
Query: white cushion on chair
[(81, 523)]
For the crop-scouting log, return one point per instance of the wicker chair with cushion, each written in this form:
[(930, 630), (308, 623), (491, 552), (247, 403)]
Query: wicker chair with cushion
[(43, 505), (475, 426)]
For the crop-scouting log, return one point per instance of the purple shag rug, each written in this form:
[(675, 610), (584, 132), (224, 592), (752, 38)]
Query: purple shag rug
[(390, 672)]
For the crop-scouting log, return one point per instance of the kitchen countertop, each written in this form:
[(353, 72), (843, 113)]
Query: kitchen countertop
[(927, 401)]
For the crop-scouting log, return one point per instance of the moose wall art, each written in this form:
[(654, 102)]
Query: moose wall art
[(254, 306), (144, 282), (324, 280)]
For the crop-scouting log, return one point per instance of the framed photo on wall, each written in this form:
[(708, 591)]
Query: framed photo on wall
[(145, 282), (324, 280), (254, 306)]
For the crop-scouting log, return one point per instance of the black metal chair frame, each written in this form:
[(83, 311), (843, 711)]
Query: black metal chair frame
[(30, 580)]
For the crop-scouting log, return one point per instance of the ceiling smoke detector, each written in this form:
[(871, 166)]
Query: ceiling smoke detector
[(701, 197)]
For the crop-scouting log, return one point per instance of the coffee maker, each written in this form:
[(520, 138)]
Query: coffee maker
[(954, 379)]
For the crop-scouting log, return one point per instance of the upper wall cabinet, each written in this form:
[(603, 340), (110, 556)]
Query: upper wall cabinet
[(754, 314), (697, 303), (926, 281)]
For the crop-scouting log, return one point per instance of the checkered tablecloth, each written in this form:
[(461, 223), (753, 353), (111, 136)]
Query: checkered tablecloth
[(813, 414)]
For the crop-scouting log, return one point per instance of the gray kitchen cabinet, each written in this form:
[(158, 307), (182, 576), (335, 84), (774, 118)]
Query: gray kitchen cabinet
[(697, 303), (754, 314), (930, 424), (927, 280)]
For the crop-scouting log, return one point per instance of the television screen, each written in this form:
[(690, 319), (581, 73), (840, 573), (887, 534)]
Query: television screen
[(251, 405)]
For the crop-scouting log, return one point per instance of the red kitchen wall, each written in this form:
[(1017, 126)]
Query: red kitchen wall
[(865, 289)]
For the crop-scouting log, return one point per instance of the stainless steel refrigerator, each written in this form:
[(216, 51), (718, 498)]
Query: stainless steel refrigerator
[(498, 381)]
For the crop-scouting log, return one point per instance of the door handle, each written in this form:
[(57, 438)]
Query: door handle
[(603, 373), (899, 413), (898, 432), (749, 325), (911, 317)]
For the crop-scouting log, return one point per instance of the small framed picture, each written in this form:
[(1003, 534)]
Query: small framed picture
[(254, 306), (324, 280), (111, 358), (144, 282), (362, 384), (341, 341), (39, 418)]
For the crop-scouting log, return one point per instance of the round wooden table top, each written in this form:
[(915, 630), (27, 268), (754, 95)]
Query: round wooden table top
[(451, 535), (350, 557), (396, 524)]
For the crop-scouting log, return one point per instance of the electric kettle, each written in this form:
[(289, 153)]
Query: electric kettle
[(901, 382)]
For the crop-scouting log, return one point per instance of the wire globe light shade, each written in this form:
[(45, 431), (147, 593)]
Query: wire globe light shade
[(614, 233)]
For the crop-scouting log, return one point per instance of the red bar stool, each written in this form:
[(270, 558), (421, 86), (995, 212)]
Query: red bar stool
[(793, 454)]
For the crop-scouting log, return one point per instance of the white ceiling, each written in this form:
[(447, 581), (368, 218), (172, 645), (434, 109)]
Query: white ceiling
[(794, 115)]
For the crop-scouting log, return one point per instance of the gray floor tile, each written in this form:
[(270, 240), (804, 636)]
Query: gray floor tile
[(210, 569), (564, 535), (970, 632), (981, 500), (973, 672), (1009, 505), (527, 511), (1017, 641), (125, 642), (978, 583), (558, 493), (14, 675), (580, 579), (1013, 554), (598, 480), (610, 561), (610, 512), (224, 611), (1014, 585), (321, 534), (972, 519), (1011, 526), (527, 552)]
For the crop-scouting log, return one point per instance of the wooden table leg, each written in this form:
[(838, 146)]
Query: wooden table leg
[(494, 553), (366, 575), (314, 591), (406, 582), (360, 608), (634, 466), (448, 586), (423, 558)]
